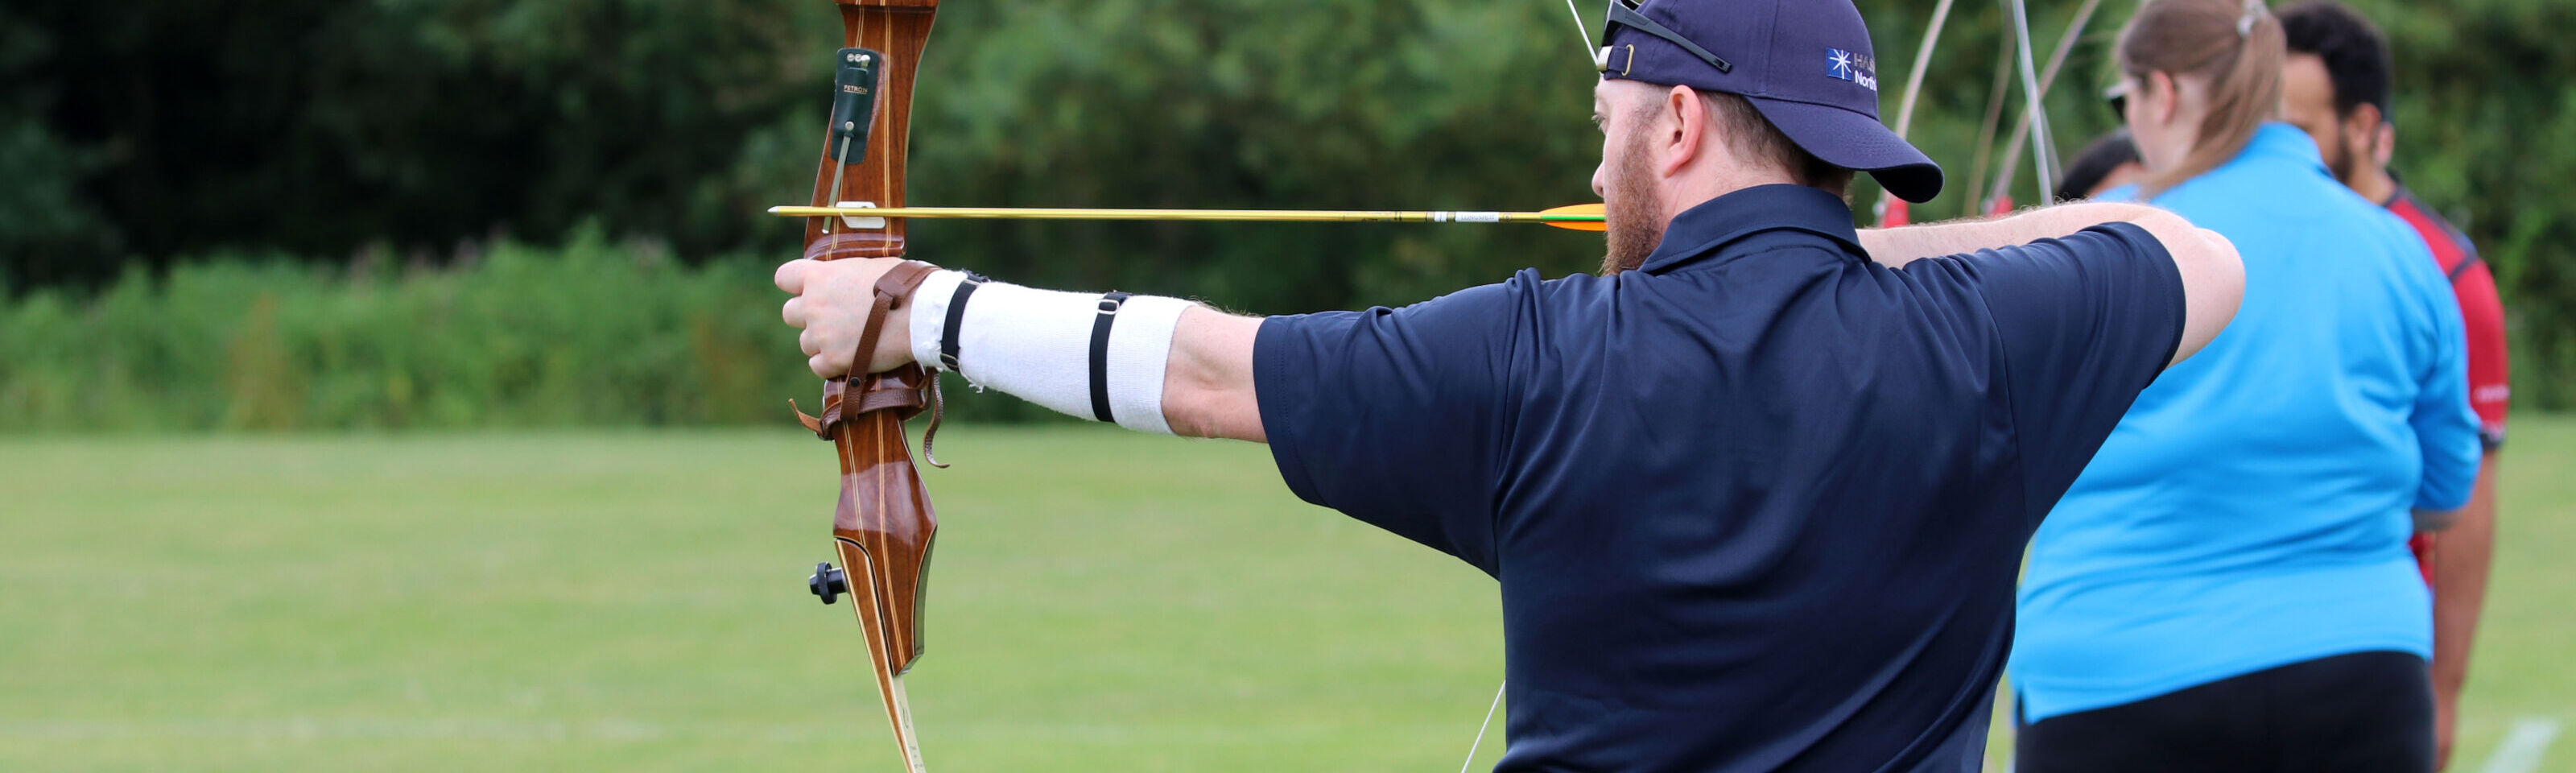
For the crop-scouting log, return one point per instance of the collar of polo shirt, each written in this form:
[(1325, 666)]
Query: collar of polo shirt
[(1708, 228)]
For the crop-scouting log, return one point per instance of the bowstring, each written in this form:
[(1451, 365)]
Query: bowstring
[(1922, 60), (1489, 710), (1580, 31), (1913, 85), (2024, 129), (2038, 110)]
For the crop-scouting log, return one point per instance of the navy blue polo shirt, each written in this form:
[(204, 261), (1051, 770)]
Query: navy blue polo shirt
[(1757, 506)]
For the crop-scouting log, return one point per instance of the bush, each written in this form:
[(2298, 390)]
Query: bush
[(592, 333)]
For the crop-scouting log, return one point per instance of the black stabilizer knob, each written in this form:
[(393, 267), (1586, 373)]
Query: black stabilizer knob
[(828, 582)]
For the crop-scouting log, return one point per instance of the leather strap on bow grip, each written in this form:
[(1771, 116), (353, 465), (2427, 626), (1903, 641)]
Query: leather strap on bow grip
[(822, 426), (893, 394), (890, 290), (878, 393)]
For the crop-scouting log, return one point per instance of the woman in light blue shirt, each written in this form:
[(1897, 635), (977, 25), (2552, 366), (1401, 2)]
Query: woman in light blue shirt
[(2227, 586)]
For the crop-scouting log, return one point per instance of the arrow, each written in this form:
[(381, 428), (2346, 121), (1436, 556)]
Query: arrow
[(1579, 217)]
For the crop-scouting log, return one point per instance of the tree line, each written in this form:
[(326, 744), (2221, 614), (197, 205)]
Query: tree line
[(378, 143)]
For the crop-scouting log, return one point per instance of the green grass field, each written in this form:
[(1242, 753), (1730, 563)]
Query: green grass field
[(635, 602)]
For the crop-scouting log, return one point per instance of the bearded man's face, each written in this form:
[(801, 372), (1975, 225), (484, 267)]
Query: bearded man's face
[(2308, 102), (1633, 217)]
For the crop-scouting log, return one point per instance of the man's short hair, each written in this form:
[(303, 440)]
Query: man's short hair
[(1752, 136), (2355, 53), (2094, 164)]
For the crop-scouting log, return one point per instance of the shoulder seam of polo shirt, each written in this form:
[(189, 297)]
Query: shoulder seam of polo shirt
[(2138, 239)]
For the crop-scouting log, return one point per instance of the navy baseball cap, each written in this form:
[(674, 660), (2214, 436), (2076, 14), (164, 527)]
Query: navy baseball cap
[(1806, 64)]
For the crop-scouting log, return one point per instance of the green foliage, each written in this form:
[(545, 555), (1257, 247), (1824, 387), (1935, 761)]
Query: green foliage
[(589, 334), (314, 130), (42, 214), (1257, 103), (2482, 136), (314, 127)]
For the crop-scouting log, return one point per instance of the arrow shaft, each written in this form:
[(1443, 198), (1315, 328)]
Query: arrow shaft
[(1235, 215)]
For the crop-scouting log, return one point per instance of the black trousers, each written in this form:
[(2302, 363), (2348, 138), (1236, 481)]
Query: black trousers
[(2365, 712)]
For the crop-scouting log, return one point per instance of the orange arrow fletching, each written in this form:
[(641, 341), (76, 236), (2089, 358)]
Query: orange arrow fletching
[(1580, 217)]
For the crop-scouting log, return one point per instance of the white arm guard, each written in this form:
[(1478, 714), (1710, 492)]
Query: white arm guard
[(1085, 354)]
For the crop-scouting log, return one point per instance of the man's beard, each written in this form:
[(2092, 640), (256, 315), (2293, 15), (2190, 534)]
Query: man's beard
[(1633, 221), (2339, 159)]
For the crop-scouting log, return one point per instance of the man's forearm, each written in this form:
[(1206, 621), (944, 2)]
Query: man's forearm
[(1207, 388), (2213, 277), (1899, 246), (2461, 555)]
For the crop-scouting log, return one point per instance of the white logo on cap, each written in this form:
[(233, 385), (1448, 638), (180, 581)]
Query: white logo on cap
[(1843, 65)]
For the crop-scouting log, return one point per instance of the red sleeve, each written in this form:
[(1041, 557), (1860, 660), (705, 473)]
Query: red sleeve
[(2482, 315)]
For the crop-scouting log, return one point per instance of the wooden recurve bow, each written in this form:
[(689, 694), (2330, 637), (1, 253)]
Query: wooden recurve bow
[(882, 528)]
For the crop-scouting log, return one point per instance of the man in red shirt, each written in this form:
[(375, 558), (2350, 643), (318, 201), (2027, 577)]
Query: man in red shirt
[(2336, 86)]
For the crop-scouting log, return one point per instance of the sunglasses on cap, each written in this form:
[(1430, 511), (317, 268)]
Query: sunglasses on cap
[(1624, 13)]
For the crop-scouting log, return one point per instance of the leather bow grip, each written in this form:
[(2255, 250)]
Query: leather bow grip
[(891, 290)]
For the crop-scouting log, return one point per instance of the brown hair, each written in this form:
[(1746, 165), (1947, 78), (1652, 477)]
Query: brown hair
[(2236, 44), (1752, 136)]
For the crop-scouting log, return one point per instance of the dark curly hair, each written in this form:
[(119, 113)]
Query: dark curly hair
[(2355, 54)]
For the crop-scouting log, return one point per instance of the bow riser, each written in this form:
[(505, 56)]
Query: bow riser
[(884, 522), (894, 31)]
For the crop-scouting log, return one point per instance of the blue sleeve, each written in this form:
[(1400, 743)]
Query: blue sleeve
[(2446, 426), (2084, 323), (1392, 415)]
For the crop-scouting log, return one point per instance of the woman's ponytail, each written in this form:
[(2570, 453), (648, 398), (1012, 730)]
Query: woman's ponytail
[(2237, 45)]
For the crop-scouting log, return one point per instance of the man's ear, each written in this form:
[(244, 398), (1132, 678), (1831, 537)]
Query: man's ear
[(2360, 129), (2384, 143), (1689, 121)]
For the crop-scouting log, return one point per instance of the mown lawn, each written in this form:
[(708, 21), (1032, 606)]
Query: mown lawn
[(636, 602)]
